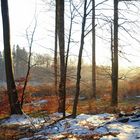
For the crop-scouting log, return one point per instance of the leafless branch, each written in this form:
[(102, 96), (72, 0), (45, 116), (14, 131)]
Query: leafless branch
[(96, 6), (30, 43), (89, 31), (130, 34)]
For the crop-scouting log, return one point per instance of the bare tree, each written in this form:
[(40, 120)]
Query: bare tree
[(79, 62), (11, 87), (61, 39), (72, 15), (114, 101), (93, 52), (30, 39)]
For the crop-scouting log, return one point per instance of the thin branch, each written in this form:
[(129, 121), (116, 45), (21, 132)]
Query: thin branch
[(30, 42), (130, 34), (96, 6), (89, 31), (77, 9)]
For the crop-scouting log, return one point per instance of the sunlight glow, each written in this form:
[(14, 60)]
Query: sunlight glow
[(22, 13)]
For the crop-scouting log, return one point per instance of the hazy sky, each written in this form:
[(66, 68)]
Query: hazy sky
[(22, 13)]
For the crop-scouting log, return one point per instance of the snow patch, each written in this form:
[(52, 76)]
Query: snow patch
[(21, 120)]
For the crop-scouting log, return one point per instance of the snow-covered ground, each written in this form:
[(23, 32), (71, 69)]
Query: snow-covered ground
[(102, 126), (21, 120)]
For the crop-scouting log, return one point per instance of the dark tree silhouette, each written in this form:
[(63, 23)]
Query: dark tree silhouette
[(79, 62), (93, 52), (60, 30), (114, 101), (11, 87)]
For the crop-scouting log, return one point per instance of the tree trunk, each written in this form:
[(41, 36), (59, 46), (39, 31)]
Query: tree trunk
[(79, 63), (12, 92), (112, 59), (55, 51), (69, 38), (62, 84), (114, 101), (93, 52)]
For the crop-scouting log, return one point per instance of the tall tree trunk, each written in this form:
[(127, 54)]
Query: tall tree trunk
[(12, 92), (114, 101), (112, 57), (69, 38), (55, 51), (62, 84), (79, 63), (93, 52)]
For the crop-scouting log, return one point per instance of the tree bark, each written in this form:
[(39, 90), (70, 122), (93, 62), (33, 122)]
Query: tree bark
[(93, 52), (11, 87), (114, 101), (62, 84)]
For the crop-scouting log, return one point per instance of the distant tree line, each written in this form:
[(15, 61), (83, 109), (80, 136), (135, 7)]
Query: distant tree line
[(20, 58), (42, 62)]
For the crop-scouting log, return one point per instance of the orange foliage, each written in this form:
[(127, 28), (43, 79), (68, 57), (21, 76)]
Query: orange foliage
[(4, 103)]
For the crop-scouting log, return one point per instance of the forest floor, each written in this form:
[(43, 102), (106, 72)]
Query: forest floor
[(83, 127), (121, 124)]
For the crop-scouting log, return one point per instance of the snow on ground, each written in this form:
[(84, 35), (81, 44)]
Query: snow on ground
[(38, 103), (82, 125), (137, 96), (21, 120)]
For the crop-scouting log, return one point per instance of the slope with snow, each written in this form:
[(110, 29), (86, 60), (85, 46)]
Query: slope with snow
[(102, 126)]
